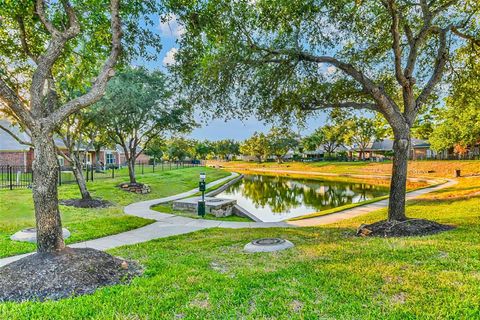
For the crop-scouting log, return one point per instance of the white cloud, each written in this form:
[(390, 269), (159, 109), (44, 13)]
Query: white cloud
[(170, 27), (169, 58), (331, 69)]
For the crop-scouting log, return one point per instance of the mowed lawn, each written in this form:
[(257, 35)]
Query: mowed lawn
[(16, 210), (330, 274)]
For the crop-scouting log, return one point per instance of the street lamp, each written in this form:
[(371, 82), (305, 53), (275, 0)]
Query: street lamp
[(202, 186)]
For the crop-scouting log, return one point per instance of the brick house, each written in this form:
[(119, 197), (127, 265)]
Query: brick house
[(14, 153)]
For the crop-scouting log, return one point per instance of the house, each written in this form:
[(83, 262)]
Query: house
[(320, 153), (13, 153), (383, 149)]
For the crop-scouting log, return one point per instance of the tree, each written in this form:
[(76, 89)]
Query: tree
[(47, 50), (226, 148), (276, 59), (458, 124), (256, 146), (280, 141), (136, 109), (329, 137), (156, 148), (202, 149), (72, 134), (362, 131), (179, 148)]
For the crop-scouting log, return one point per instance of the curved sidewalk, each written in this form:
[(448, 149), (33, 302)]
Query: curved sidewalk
[(167, 225)]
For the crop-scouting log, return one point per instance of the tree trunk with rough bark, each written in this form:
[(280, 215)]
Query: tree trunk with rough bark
[(45, 196), (79, 177), (131, 169), (396, 207)]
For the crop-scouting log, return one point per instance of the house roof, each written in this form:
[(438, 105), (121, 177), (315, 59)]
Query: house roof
[(7, 142), (387, 145)]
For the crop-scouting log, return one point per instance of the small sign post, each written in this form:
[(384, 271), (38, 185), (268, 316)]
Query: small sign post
[(202, 187)]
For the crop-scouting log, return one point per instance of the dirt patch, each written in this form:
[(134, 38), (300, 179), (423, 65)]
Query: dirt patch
[(407, 228), (86, 203), (70, 272)]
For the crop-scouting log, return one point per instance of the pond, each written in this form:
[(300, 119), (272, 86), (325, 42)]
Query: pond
[(273, 198)]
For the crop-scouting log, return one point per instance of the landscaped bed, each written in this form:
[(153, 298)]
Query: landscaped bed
[(330, 273), (167, 208), (16, 211)]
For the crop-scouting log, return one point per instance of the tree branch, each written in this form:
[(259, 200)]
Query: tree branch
[(317, 105), (441, 60), (15, 104), (465, 36), (99, 86), (14, 136), (397, 50)]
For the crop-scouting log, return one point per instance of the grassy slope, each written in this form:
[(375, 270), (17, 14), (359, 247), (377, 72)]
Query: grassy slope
[(415, 168), (16, 211), (330, 274)]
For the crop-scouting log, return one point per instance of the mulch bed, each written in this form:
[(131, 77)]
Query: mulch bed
[(407, 228), (70, 272), (86, 203)]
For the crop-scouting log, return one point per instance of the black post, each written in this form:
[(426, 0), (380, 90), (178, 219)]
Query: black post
[(153, 168), (142, 167), (86, 171), (10, 178), (92, 171), (59, 176), (113, 172)]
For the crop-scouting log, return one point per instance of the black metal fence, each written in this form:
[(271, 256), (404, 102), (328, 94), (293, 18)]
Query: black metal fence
[(17, 177)]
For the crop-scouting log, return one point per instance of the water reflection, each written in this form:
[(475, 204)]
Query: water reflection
[(278, 198)]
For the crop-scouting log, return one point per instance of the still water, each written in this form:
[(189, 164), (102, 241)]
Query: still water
[(274, 199)]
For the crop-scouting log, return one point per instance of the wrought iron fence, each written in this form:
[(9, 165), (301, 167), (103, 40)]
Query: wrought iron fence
[(17, 177)]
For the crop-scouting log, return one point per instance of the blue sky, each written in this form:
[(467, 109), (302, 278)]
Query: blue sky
[(218, 128)]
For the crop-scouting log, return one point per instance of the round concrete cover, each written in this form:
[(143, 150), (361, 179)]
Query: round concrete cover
[(268, 245), (30, 235)]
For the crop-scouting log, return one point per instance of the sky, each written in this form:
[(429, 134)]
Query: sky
[(216, 129)]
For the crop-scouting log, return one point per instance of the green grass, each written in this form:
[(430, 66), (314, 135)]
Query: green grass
[(167, 208), (16, 211), (330, 274), (338, 209)]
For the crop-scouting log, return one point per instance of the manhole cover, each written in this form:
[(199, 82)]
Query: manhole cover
[(267, 241), (268, 245)]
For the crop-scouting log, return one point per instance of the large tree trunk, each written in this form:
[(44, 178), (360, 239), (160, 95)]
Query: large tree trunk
[(131, 169), (78, 173), (398, 184), (45, 195)]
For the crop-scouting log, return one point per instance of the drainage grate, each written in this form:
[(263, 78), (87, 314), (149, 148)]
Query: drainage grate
[(268, 241), (267, 245)]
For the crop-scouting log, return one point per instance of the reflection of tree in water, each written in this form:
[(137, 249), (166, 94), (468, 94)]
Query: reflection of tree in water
[(282, 194)]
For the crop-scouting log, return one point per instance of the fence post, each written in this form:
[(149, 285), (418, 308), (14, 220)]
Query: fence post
[(113, 172), (92, 172), (59, 176), (10, 178), (153, 168), (142, 167)]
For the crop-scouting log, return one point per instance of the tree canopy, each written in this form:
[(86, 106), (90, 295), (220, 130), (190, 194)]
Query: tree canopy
[(137, 108)]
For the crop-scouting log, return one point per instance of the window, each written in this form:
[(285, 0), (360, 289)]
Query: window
[(110, 158)]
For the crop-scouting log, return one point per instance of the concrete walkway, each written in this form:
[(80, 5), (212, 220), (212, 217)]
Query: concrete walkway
[(167, 225)]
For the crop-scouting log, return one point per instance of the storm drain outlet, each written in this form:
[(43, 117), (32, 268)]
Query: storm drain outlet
[(268, 245)]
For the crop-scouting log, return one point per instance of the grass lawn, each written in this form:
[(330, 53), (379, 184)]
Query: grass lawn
[(167, 208), (16, 211), (330, 274), (424, 168)]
